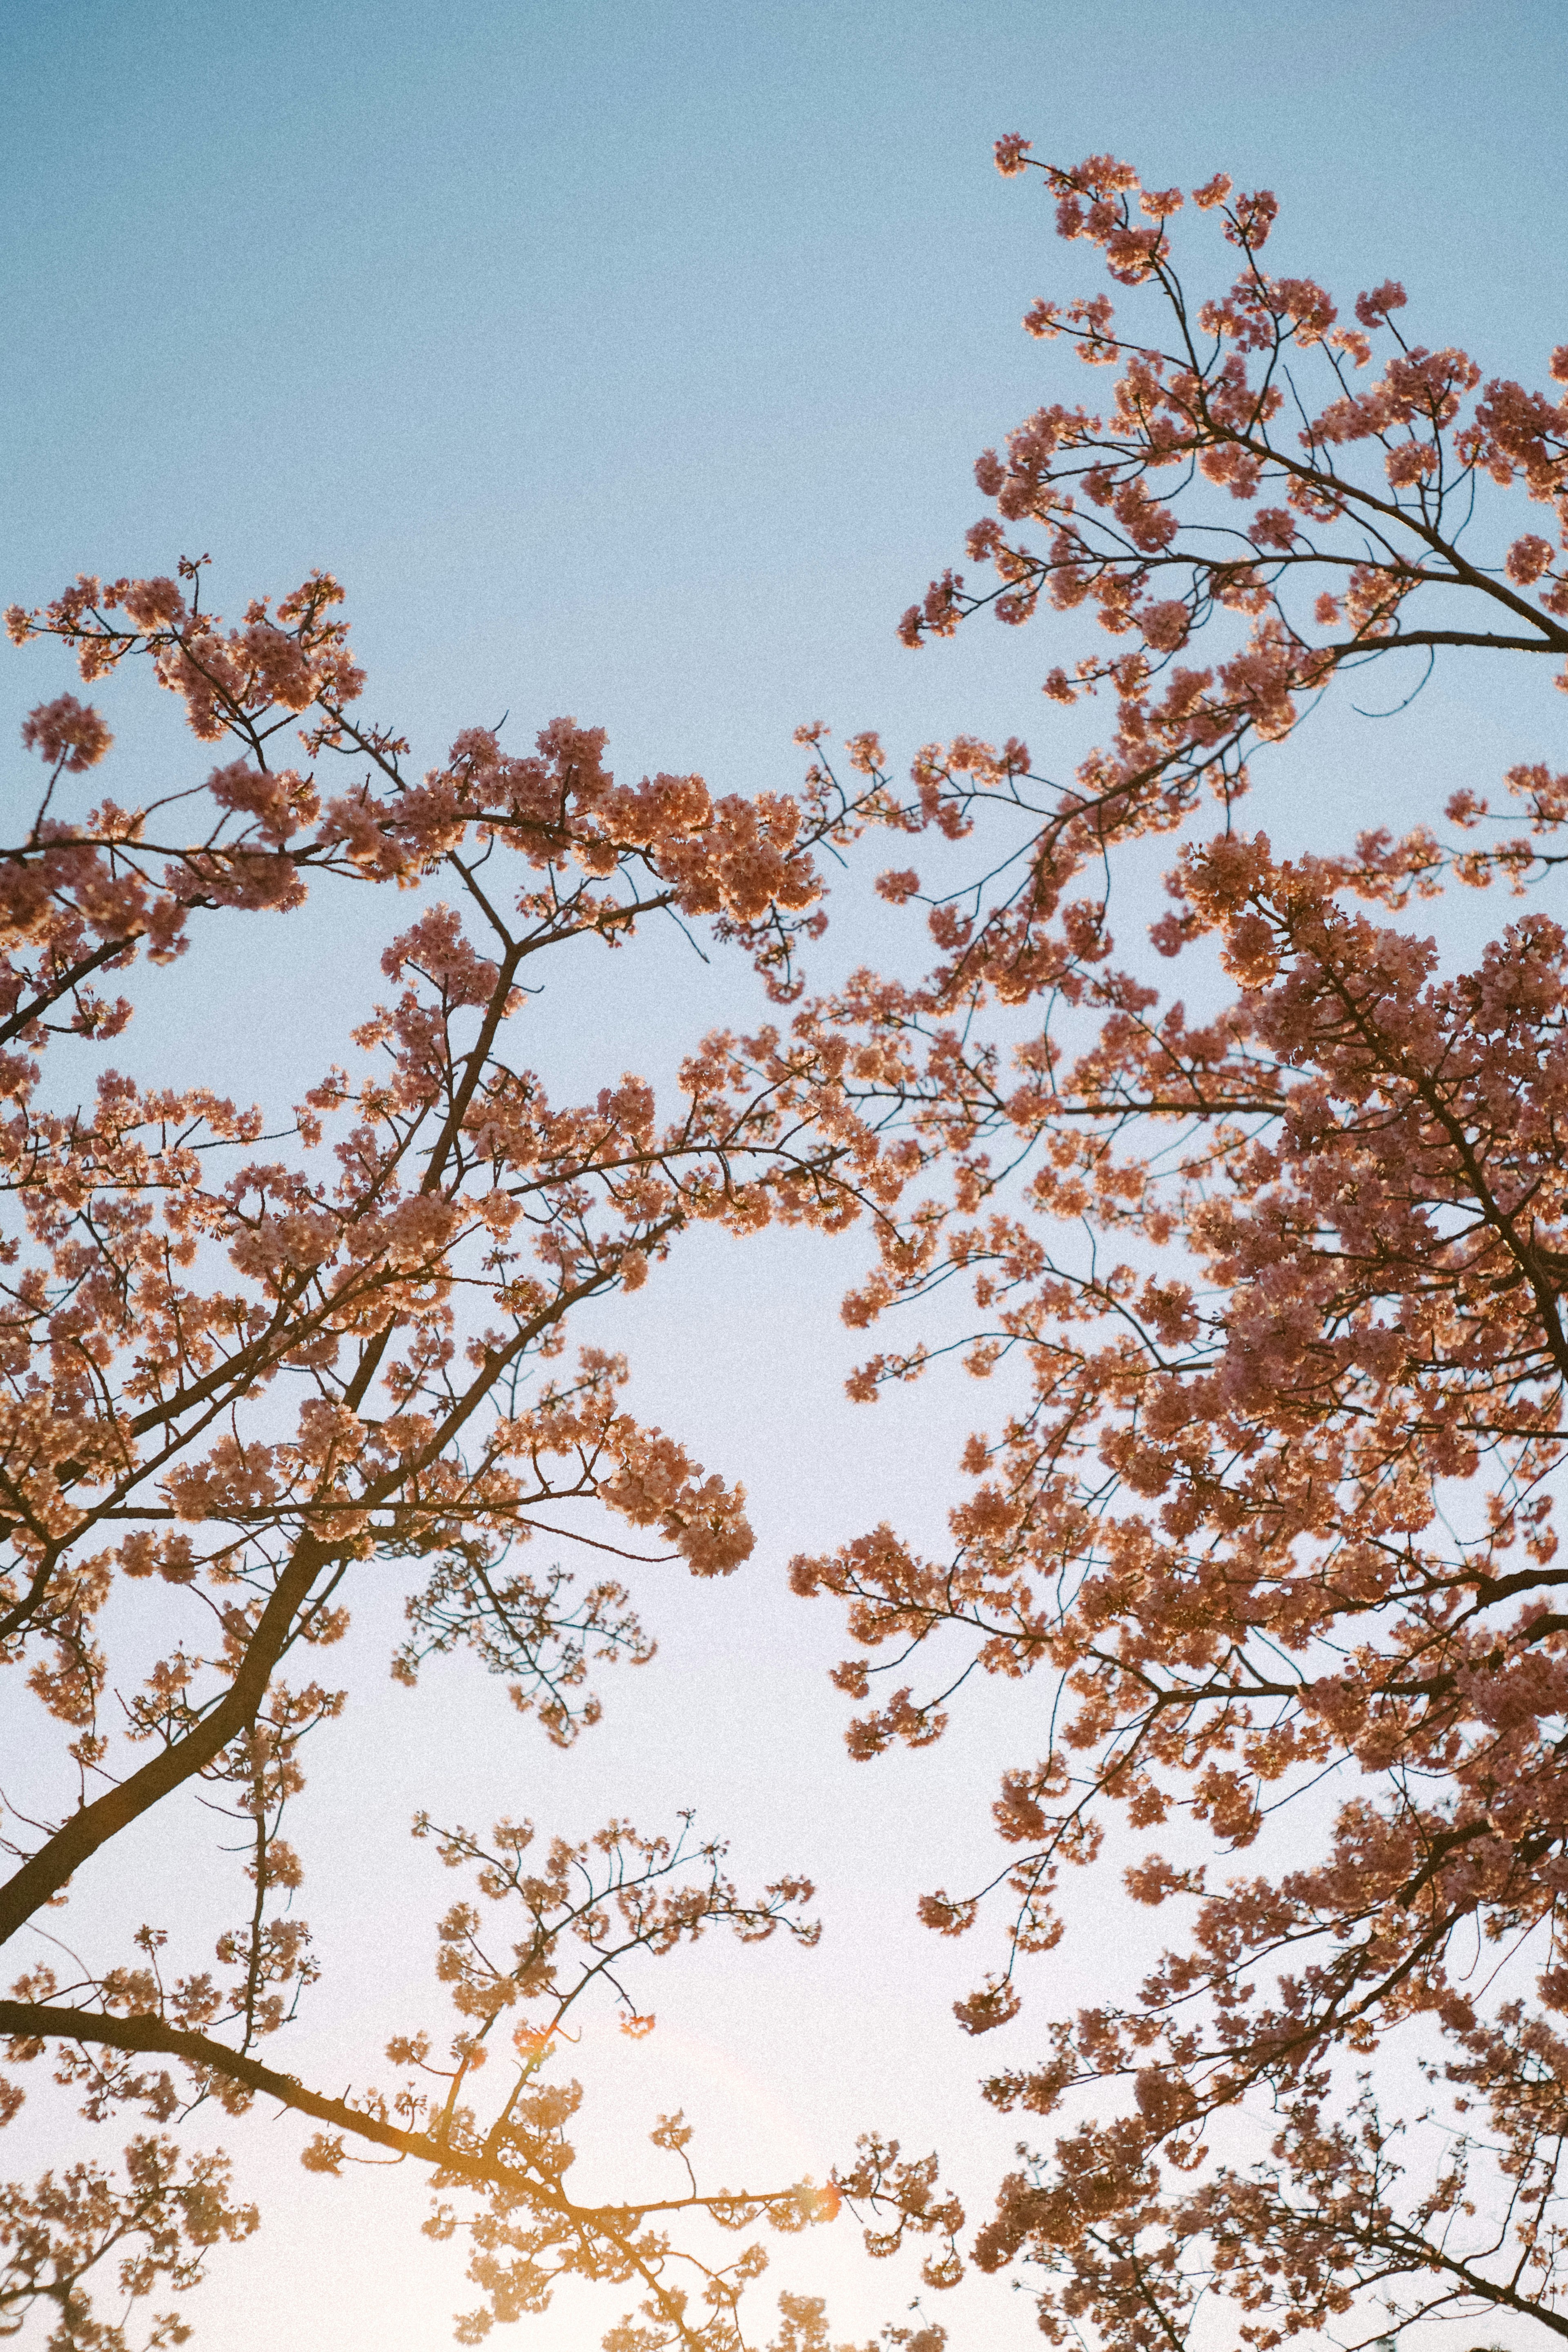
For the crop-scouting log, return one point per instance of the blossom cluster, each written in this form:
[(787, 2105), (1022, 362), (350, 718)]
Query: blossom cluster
[(1270, 1491), (247, 1364)]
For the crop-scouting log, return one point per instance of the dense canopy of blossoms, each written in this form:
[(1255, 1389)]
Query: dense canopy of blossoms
[(1269, 1281), (259, 1368), (1274, 1293)]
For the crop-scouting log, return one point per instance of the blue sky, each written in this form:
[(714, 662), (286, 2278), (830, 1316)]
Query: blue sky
[(630, 360)]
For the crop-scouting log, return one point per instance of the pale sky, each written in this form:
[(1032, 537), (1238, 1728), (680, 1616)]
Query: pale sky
[(629, 358)]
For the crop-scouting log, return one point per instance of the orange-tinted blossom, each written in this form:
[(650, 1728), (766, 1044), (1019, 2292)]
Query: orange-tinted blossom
[(1271, 1490), (256, 1370)]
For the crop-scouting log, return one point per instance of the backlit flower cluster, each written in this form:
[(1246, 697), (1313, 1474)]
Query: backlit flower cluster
[(250, 1367), (1271, 1293)]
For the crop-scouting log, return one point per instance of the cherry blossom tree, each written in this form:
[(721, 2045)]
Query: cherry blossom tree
[(1268, 1280), (1272, 1281), (245, 1370)]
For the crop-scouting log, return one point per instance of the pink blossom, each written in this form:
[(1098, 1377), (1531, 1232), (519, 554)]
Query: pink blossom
[(68, 732), (1372, 310)]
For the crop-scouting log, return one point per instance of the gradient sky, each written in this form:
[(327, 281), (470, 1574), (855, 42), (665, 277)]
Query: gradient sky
[(630, 359)]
